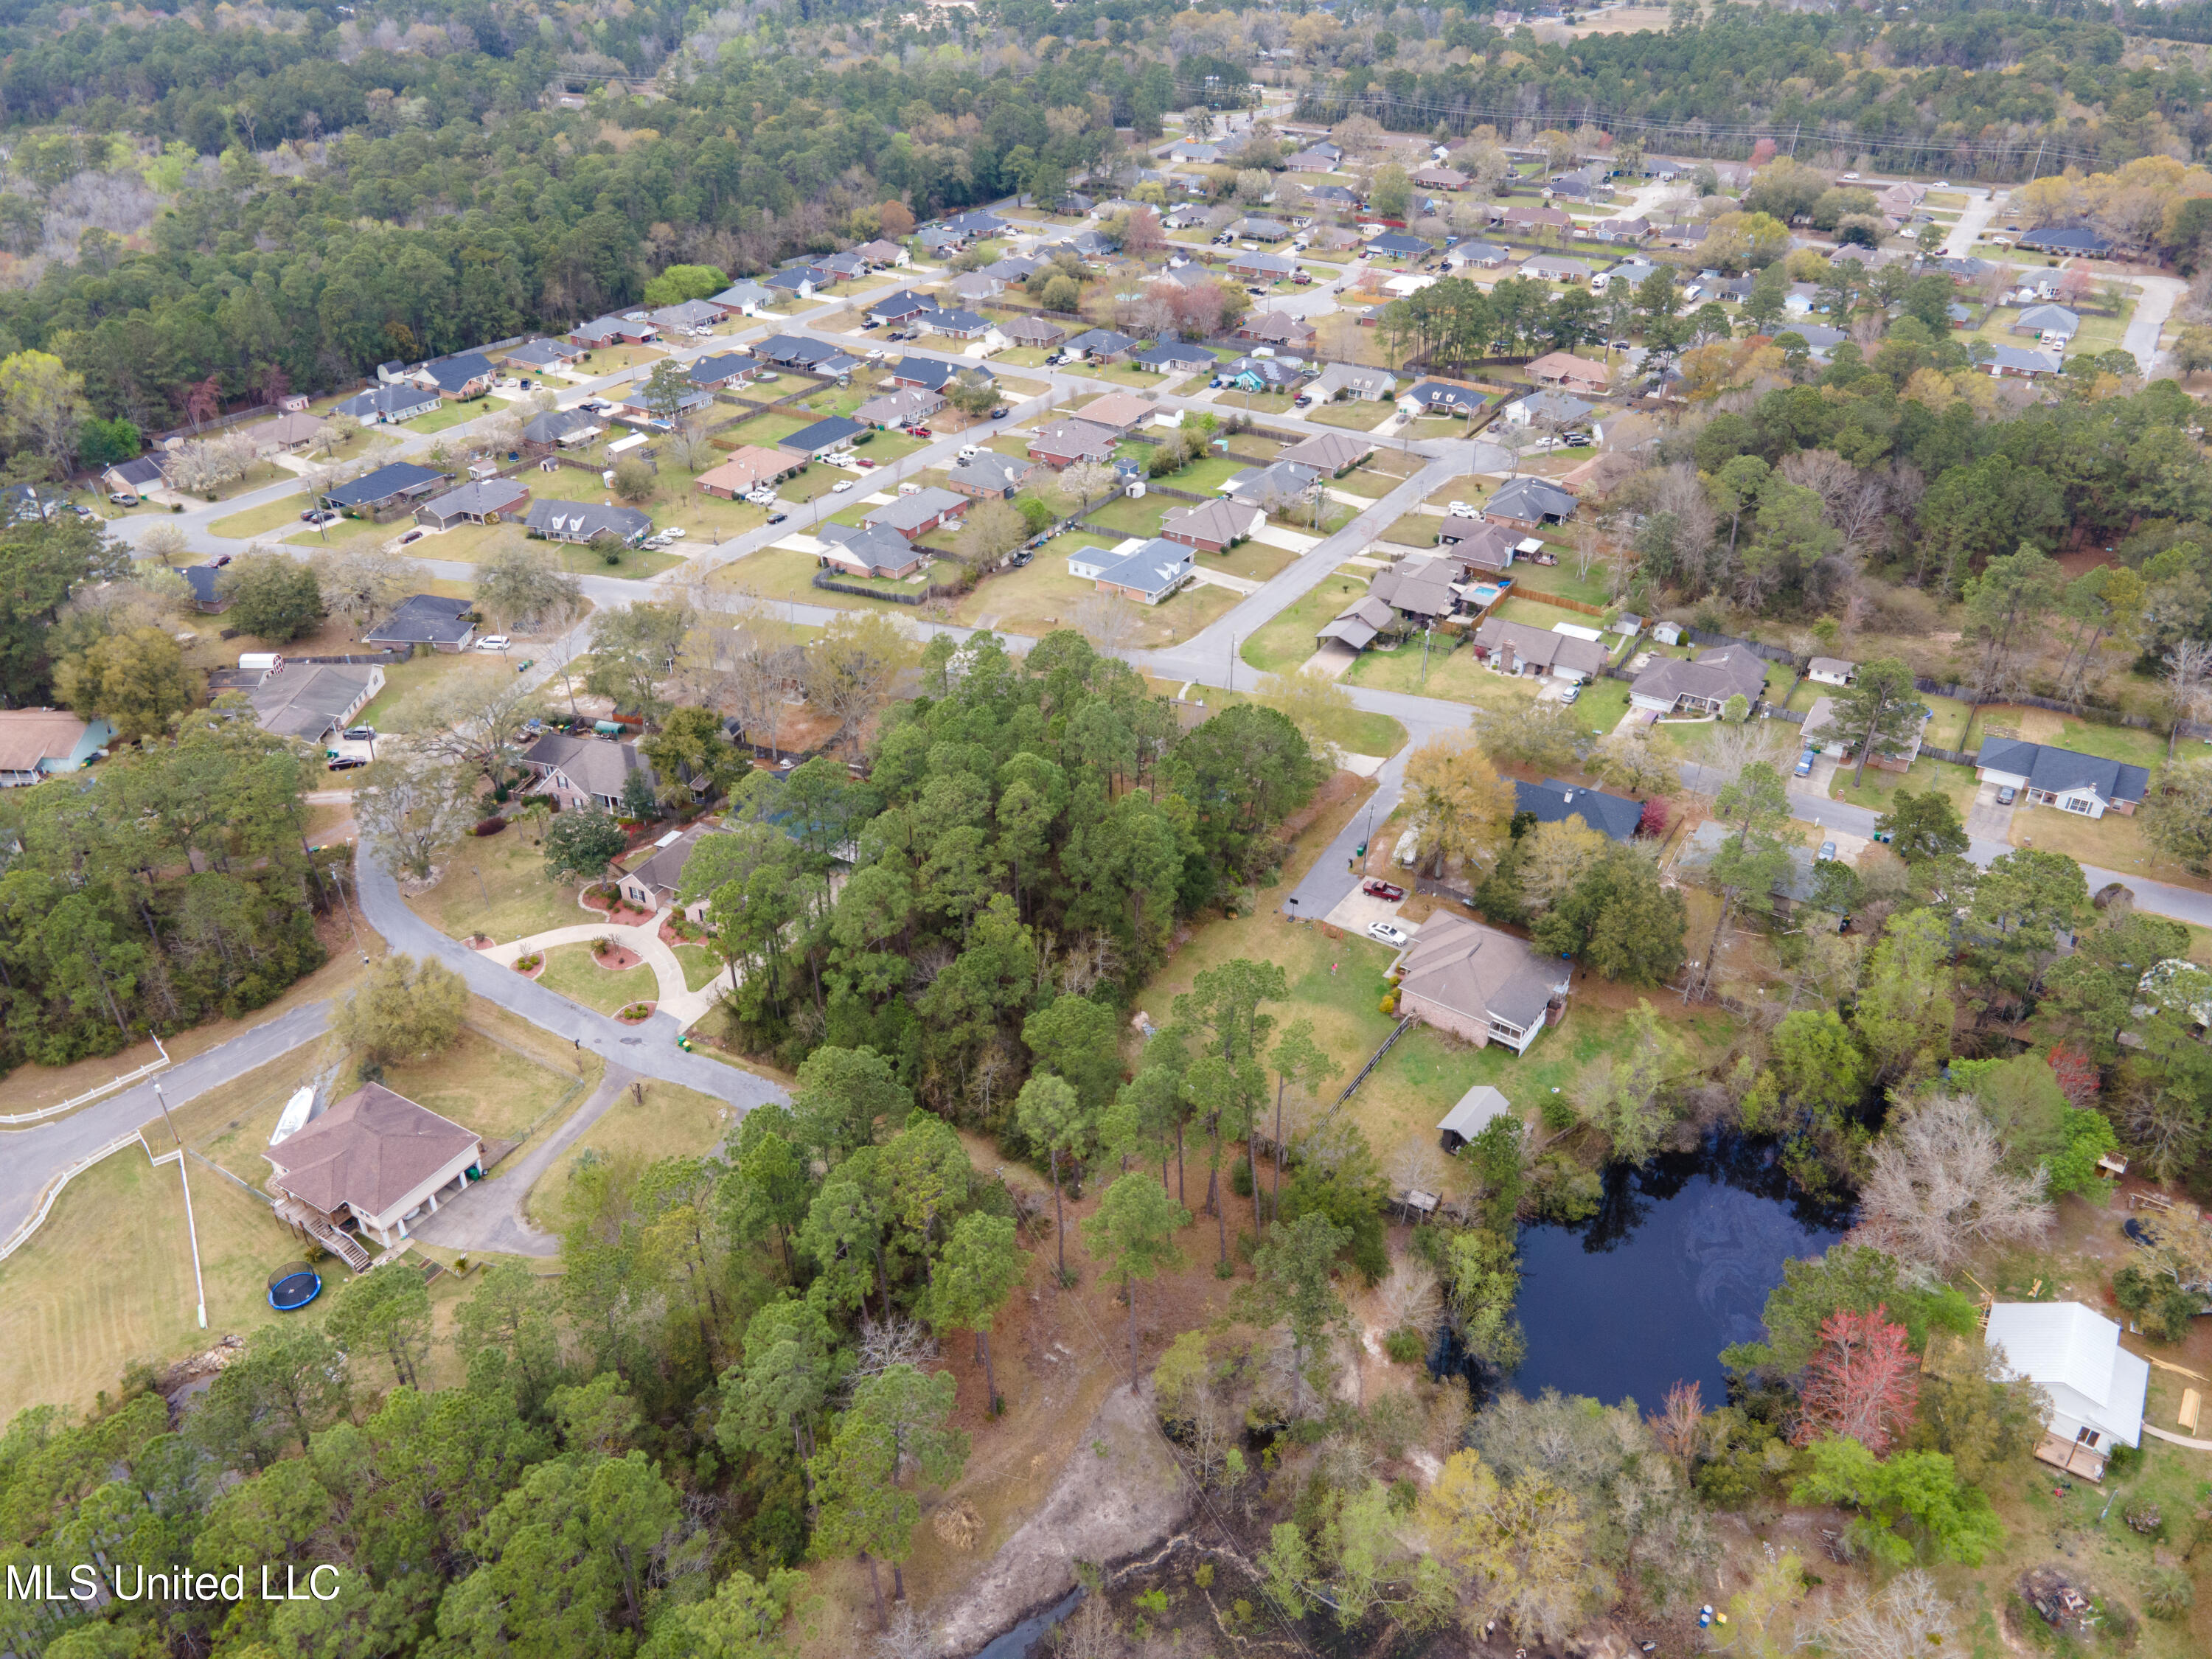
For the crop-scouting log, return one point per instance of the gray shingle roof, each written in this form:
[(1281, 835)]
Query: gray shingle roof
[(907, 513), (424, 619), (1554, 802), (2062, 770), (399, 478)]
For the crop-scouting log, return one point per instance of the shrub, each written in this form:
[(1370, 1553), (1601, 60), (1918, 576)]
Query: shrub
[(1389, 1004), (2168, 1594), (602, 944), (490, 826), (1406, 1345)]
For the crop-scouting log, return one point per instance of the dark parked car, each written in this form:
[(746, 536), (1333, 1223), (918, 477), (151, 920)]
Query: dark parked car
[(2007, 795), (1382, 890), (345, 763), (1000, 414), (777, 518), (361, 734)]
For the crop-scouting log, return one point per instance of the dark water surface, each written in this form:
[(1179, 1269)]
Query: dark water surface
[(1675, 1265)]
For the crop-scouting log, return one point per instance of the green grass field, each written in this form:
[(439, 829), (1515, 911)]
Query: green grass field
[(570, 971), (263, 521), (496, 885), (2119, 742), (450, 414), (671, 1122)]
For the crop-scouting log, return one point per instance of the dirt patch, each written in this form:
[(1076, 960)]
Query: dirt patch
[(622, 914), (1341, 787), (1121, 1493), (671, 937), (616, 958)]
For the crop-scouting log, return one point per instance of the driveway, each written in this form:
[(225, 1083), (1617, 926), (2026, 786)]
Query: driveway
[(1986, 820), (1973, 220)]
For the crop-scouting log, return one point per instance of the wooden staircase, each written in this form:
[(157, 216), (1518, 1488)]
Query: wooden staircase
[(339, 1243)]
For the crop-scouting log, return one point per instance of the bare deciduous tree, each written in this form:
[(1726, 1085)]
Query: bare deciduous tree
[(1939, 1187), (1108, 621), (1907, 1619)]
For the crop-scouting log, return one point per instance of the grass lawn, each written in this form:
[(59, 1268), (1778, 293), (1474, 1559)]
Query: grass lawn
[(1561, 578), (404, 677), (708, 518), (1600, 706), (1455, 675), (2119, 742), (1255, 560), (670, 1122), (1288, 638), (449, 414), (1041, 597), (700, 965), (1366, 481), (1412, 530), (107, 1279), (497, 885), (570, 971), (634, 562), (346, 530), (1132, 375), (1140, 517), (2114, 841), (766, 428), (1531, 611), (815, 481), (1256, 403), (262, 520), (779, 573), (491, 1083), (1205, 477), (1023, 357), (1879, 788)]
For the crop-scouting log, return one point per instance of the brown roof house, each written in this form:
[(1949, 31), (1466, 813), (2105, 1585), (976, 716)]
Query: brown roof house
[(1122, 411), (1276, 328), (1479, 546), (37, 743), (1212, 526), (585, 772), (747, 468), (1564, 368), (369, 1164), (1516, 647), (1357, 626), (1065, 442), (1478, 983), (1702, 686), (657, 879)]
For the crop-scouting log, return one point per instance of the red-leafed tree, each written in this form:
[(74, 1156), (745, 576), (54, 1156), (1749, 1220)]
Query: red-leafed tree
[(203, 400), (1656, 812), (2076, 1074), (1864, 1381), (1762, 152)]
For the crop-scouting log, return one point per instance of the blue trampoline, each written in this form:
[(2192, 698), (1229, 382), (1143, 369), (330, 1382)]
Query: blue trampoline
[(293, 1288)]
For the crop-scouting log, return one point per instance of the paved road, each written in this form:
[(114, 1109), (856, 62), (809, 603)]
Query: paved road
[(29, 1158), (2159, 296), (492, 1216), (1981, 207), (649, 1048)]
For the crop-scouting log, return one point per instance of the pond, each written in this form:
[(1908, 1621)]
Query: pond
[(1675, 1265)]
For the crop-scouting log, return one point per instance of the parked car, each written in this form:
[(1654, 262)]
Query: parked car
[(1397, 938), (1000, 413), (320, 519), (125, 498), (1459, 510), (841, 486), (864, 463), (777, 518), (1570, 694), (494, 642), (1805, 762), (1577, 441), (361, 734), (1021, 558), (344, 763), (2007, 794), (412, 536), (1383, 890), (1827, 852)]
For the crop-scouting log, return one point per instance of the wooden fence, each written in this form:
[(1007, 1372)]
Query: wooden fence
[(1517, 591)]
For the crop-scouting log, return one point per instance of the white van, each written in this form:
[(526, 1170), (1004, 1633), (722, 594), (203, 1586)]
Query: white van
[(968, 452)]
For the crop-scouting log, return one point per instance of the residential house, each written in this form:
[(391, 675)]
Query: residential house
[(586, 522), (655, 881), (1145, 571), (975, 287), (876, 550), (1357, 625), (1477, 983), (1821, 732), (1440, 397), (1572, 373), (1577, 187), (1682, 235), (1395, 244), (2047, 321), (2064, 778), (940, 240), (1548, 408), (1800, 300), (722, 370), (1033, 331), (923, 374), (2079, 241), (1172, 357), (1333, 452), (1517, 648), (955, 324), (1100, 346), (1899, 200), (2095, 1387), (1530, 504), (1831, 671), (1351, 381), (607, 331), (1407, 284), (882, 255), (209, 596), (915, 516), (388, 405), (1440, 178), (794, 282), (834, 268), (1065, 442), (541, 355), (901, 406), (1264, 267), (1471, 1116), (443, 624), (390, 489), (464, 375), (1279, 487), (638, 410), (820, 439), (294, 429), (1632, 231), (1488, 256), (370, 1162), (140, 476), (2012, 362), (481, 501), (1550, 268), (1259, 230), (741, 299), (313, 701), (584, 773), (895, 309), (1480, 547), (1268, 373), (559, 429), (1118, 411), (691, 316), (1277, 328), (1702, 685), (988, 475), (1212, 526), (794, 351), (1084, 245), (1310, 160), (1615, 817), (1332, 196), (1191, 150), (977, 223), (1013, 269), (1527, 219), (1420, 587), (37, 743), (745, 469)]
